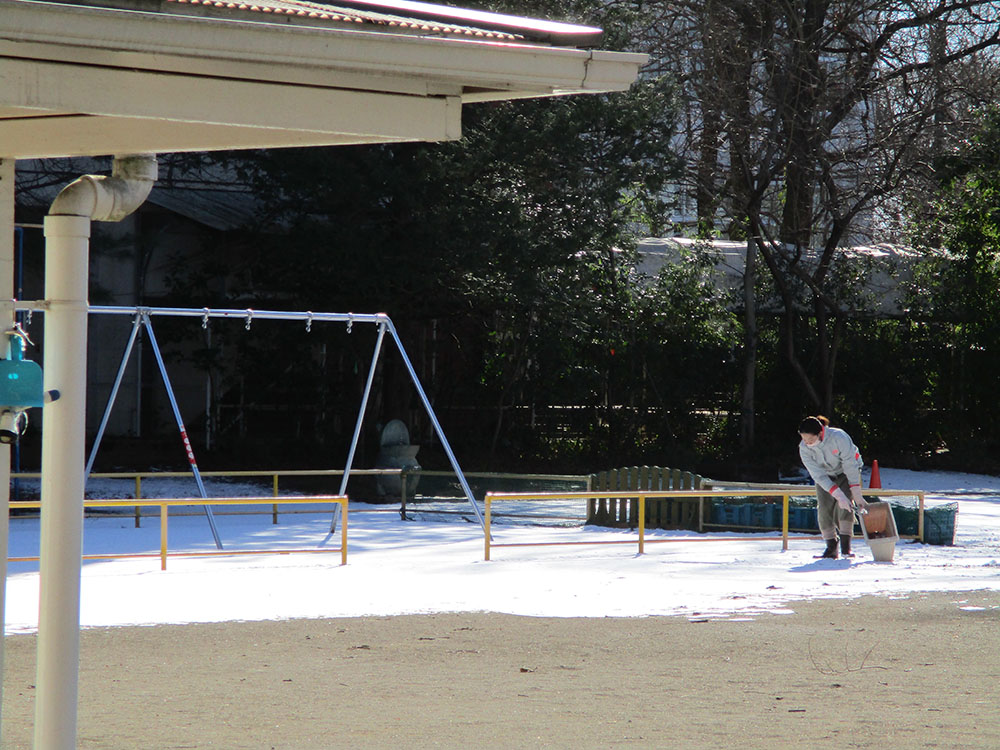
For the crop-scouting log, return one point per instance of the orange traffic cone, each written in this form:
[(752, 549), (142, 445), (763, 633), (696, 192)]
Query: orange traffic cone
[(875, 482)]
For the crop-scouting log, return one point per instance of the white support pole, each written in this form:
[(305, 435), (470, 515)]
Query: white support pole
[(361, 419), (63, 433), (6, 291), (361, 412)]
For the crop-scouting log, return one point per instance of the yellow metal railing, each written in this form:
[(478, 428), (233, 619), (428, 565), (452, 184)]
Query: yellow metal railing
[(271, 474), (164, 503), (641, 496), (274, 475)]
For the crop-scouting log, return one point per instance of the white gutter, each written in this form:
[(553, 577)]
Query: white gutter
[(67, 254)]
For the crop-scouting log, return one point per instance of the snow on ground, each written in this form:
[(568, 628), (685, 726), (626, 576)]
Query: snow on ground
[(436, 564)]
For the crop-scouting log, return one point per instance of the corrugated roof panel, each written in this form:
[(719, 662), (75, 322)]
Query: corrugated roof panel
[(301, 9), (535, 29)]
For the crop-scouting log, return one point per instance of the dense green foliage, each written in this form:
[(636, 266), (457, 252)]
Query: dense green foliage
[(507, 261), (958, 292)]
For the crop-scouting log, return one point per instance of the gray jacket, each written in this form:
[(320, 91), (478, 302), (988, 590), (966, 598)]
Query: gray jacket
[(835, 454)]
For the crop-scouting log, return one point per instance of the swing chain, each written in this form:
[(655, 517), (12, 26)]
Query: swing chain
[(249, 317), (350, 321), (204, 318), (309, 321)]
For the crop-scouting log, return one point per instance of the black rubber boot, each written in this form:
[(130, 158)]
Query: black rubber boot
[(845, 545), (831, 550)]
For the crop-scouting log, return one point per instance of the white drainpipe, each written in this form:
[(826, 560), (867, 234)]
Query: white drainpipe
[(67, 251)]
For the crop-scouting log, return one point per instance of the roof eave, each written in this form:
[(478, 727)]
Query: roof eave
[(200, 44), (113, 81)]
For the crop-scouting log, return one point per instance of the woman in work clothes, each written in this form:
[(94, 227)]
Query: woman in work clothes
[(834, 463)]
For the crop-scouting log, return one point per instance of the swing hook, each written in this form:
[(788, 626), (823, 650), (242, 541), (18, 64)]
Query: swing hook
[(309, 322), (204, 318), (249, 317), (17, 330)]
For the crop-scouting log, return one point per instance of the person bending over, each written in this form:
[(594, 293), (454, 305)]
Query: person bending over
[(834, 463)]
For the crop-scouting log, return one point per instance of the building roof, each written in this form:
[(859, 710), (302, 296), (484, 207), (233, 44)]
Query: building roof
[(889, 269), (144, 76)]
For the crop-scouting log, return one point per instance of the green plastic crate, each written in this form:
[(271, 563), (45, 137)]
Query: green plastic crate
[(939, 521)]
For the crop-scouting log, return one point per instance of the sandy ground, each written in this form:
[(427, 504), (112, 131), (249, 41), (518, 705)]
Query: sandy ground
[(914, 672)]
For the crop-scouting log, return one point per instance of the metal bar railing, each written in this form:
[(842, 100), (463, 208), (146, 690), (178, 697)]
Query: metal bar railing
[(187, 473), (786, 493), (271, 474), (408, 479), (406, 494), (164, 503)]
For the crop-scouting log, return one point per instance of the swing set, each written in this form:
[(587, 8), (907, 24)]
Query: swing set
[(142, 319)]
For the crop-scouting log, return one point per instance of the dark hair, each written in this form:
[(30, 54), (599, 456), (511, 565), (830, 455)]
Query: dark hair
[(813, 425)]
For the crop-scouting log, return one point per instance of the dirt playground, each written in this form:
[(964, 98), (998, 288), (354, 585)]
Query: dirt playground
[(916, 672)]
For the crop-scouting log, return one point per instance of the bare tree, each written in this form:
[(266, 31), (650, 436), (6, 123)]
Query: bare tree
[(810, 119)]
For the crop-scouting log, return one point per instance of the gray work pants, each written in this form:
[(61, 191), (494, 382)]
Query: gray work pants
[(830, 516)]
